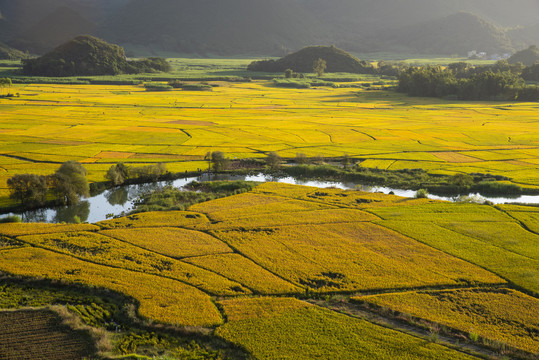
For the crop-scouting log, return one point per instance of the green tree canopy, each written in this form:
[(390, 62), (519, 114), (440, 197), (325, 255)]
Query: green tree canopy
[(29, 189), (69, 183)]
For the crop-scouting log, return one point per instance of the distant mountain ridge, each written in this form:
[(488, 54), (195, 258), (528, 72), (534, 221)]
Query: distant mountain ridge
[(274, 27)]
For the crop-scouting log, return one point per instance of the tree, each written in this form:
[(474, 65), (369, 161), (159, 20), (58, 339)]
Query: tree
[(29, 189), (319, 67), (288, 73), (5, 83), (69, 183), (118, 174), (218, 161), (273, 160)]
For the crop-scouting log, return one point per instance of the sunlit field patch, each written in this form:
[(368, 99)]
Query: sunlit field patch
[(502, 315), (155, 219), (246, 120), (160, 299), (111, 252), (351, 256), (173, 242), (288, 328), (238, 268)]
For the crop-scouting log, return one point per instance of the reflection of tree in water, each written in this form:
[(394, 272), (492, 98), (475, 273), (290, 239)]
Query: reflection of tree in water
[(140, 189), (38, 215), (117, 196), (67, 214)]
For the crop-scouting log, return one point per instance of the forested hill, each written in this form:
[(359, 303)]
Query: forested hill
[(274, 27)]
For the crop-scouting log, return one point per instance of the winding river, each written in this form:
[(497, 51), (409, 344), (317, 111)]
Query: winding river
[(120, 200)]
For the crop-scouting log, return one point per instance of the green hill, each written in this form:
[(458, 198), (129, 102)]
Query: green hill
[(337, 60), (527, 56), (88, 55), (9, 53)]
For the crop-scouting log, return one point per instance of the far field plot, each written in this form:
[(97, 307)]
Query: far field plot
[(99, 125)]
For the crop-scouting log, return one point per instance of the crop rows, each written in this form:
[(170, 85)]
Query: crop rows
[(40, 335)]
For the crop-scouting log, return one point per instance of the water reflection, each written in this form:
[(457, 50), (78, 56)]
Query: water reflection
[(118, 196), (39, 215), (73, 214), (120, 200)]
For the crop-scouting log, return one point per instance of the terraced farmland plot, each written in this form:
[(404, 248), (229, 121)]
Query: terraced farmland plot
[(111, 252), (107, 124), (161, 299), (248, 204), (173, 242), (351, 256), (529, 217), (520, 270), (503, 315), (155, 219), (480, 234), (290, 329), (238, 268), (40, 335)]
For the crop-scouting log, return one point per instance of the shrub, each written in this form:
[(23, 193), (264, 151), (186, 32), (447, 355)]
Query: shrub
[(422, 194), (155, 86)]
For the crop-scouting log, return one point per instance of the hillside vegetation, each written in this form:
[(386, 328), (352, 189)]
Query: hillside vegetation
[(88, 55), (9, 53), (528, 57), (337, 60)]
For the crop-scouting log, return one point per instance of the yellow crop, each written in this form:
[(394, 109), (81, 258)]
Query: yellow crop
[(160, 299), (155, 219), (238, 268), (108, 251), (173, 242), (94, 123), (500, 314), (16, 229), (350, 256), (291, 329)]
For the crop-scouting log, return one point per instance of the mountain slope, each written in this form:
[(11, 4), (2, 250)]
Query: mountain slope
[(215, 26), (273, 27), (458, 33)]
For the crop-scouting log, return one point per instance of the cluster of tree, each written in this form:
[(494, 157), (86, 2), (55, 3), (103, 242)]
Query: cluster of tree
[(120, 173), (217, 161), (65, 187), (88, 55), (531, 73), (5, 83), (527, 56), (485, 85)]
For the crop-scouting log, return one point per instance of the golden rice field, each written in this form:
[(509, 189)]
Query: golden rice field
[(457, 265), (503, 315), (291, 329), (101, 125)]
